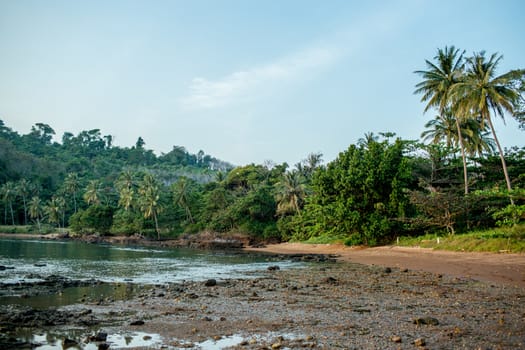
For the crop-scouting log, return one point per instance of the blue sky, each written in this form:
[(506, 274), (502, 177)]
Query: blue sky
[(246, 81)]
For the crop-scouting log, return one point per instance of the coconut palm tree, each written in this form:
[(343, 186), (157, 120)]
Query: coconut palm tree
[(72, 186), (8, 191), (126, 198), (24, 189), (36, 211), (291, 194), (92, 194), (443, 128), (436, 86), (484, 93), (182, 196), (126, 179), (53, 211), (149, 200)]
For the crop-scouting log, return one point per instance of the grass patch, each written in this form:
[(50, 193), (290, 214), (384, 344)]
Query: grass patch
[(501, 239), (326, 239)]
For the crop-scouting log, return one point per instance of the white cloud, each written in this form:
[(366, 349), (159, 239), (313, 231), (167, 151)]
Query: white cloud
[(206, 94)]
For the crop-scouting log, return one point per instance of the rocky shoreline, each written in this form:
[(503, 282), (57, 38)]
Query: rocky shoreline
[(323, 306), (326, 304)]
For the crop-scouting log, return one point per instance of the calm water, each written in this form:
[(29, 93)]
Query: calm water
[(32, 260), (107, 263)]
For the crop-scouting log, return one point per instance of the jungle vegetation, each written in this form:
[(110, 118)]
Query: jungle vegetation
[(457, 178)]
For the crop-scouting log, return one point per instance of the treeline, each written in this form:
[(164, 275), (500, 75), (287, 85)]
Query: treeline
[(458, 178)]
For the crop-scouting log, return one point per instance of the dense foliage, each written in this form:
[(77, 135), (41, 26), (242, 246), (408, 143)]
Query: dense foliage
[(378, 189)]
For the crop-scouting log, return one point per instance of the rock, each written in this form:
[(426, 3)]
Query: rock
[(419, 342), (273, 268), (101, 336), (210, 283), (67, 343), (103, 346), (396, 339), (330, 280), (137, 323), (276, 346), (429, 321)]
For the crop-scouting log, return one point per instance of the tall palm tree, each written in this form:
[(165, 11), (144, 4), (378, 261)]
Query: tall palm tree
[(24, 189), (443, 129), (482, 92), (36, 211), (126, 179), (291, 194), (92, 194), (149, 199), (72, 186), (182, 196), (436, 86), (8, 192), (53, 211), (126, 198)]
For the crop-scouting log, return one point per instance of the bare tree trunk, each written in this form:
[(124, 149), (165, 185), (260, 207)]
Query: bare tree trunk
[(462, 147), (502, 157)]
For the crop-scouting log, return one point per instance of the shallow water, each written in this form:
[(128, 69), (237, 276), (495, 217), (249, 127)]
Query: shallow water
[(76, 260), (127, 270)]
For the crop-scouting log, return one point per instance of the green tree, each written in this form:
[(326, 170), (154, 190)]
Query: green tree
[(36, 211), (291, 193), (182, 196), (126, 186), (443, 129), (24, 189), (72, 186), (54, 210), (149, 200), (436, 88), (8, 192), (93, 192), (361, 194), (482, 91)]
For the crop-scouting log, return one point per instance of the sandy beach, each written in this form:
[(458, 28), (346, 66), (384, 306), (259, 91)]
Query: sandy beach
[(489, 267)]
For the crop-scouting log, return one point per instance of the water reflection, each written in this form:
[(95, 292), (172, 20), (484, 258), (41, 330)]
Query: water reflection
[(77, 295), (78, 260)]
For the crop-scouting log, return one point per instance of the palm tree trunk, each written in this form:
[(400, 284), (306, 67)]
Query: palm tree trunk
[(462, 147), (156, 225), (25, 210), (502, 157), (188, 214), (12, 214)]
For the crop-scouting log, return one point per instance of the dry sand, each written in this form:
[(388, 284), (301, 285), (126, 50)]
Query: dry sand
[(489, 267)]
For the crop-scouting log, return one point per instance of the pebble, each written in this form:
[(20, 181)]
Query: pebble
[(396, 339), (419, 342), (430, 321), (211, 282)]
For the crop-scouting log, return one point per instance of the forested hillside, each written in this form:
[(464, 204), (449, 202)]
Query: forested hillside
[(456, 179)]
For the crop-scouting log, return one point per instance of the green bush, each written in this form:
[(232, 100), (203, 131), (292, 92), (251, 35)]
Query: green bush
[(95, 219)]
